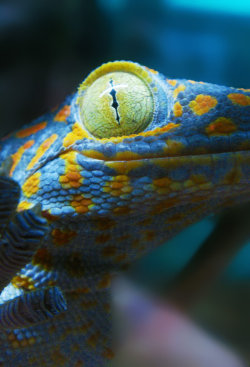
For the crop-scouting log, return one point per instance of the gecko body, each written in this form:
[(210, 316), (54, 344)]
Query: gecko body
[(118, 168)]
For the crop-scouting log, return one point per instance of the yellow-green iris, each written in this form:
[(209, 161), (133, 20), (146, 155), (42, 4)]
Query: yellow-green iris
[(116, 104)]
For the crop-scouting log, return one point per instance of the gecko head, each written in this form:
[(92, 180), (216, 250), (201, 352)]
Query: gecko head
[(133, 138)]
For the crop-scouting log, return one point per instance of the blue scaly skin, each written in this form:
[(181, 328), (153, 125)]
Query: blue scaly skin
[(118, 168)]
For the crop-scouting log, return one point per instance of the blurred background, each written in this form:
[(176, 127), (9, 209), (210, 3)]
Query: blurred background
[(48, 47)]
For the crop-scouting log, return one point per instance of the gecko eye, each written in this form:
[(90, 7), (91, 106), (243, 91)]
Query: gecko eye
[(116, 102)]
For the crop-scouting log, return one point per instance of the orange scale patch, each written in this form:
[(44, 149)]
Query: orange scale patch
[(172, 82), (42, 149), (104, 223), (50, 218), (118, 186), (72, 177), (202, 104), (179, 89), (16, 157), (175, 218), (62, 115), (221, 126), (31, 130), (109, 251), (120, 210), (105, 281), (149, 235), (165, 204), (233, 177), (198, 179), (62, 237), (93, 339), (76, 134), (120, 258), (162, 182), (58, 358), (108, 353), (80, 203), (173, 147), (43, 258), (126, 156), (152, 70), (102, 238), (31, 185), (23, 282), (177, 109), (239, 99)]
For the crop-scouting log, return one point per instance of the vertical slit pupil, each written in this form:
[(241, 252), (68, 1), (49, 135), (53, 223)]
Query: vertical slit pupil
[(115, 104)]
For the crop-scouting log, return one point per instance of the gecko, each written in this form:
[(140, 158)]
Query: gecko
[(118, 168)]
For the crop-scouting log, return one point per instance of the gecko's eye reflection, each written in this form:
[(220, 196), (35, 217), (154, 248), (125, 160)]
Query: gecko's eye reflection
[(116, 104)]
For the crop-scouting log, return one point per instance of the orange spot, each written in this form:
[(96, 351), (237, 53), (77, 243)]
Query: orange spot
[(172, 82), (93, 339), (198, 179), (62, 115), (102, 238), (221, 126), (62, 237), (79, 363), (50, 218), (233, 177), (244, 89), (149, 235), (108, 353), (126, 156), (109, 251), (121, 257), (165, 204), (23, 205), (43, 258), (177, 109), (77, 134), (240, 99), (104, 223), (23, 282), (31, 185), (122, 210), (202, 104), (42, 149), (179, 89), (31, 130), (152, 70), (57, 357), (71, 177), (192, 81), (176, 217), (162, 182), (173, 147), (16, 157), (104, 282), (123, 168), (80, 203)]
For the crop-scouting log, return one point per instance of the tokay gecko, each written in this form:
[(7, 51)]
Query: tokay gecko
[(117, 169)]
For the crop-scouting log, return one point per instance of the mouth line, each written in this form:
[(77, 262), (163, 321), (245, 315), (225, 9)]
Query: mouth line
[(233, 152)]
